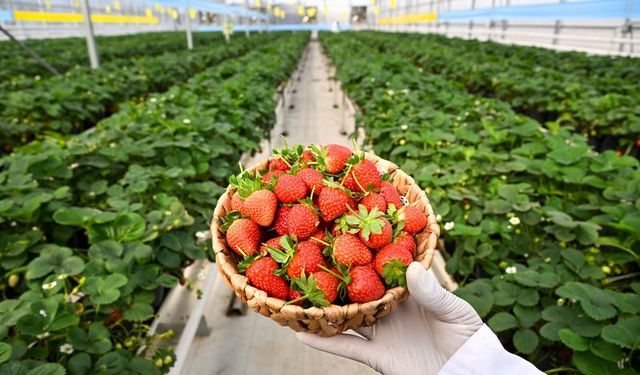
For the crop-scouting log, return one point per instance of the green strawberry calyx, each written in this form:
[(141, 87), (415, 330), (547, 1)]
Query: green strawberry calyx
[(394, 273), (310, 291)]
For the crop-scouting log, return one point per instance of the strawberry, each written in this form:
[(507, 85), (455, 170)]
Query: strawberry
[(306, 259), (281, 222), (290, 188), (295, 297), (333, 157), (320, 289), (391, 263), (303, 221), (390, 194), (272, 243), (414, 219), (407, 242), (349, 250), (333, 202), (365, 286), (261, 207), (260, 275), (379, 240), (328, 284), (244, 236), (313, 180), (374, 200), (270, 176), (278, 164), (237, 204), (306, 157), (363, 177)]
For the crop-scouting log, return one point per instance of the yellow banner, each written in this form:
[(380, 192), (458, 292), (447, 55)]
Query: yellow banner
[(410, 18), (21, 15)]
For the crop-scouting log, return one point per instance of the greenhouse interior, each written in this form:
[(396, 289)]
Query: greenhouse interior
[(319, 186)]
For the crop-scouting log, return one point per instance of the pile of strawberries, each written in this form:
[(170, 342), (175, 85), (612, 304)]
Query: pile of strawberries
[(320, 226)]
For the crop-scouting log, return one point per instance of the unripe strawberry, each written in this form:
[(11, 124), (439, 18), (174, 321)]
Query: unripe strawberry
[(290, 188), (349, 250), (260, 275), (303, 222), (414, 219), (313, 180), (261, 207), (244, 236), (333, 202), (308, 258), (390, 194), (374, 200), (365, 286)]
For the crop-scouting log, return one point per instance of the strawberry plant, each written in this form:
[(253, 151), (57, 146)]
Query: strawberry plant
[(542, 232), (94, 227)]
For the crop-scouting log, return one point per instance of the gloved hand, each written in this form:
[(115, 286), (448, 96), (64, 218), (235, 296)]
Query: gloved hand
[(417, 337)]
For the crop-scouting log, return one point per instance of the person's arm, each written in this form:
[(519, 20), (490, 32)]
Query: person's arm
[(433, 332)]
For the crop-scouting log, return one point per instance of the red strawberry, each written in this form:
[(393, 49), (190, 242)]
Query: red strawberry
[(261, 276), (274, 243), (261, 207), (266, 179), (303, 222), (379, 240), (364, 176), (313, 180), (278, 164), (290, 188), (281, 222), (333, 202), (244, 236), (336, 158), (295, 295), (349, 250), (306, 157), (328, 284), (237, 204), (390, 194), (308, 258), (414, 219), (365, 286), (391, 264), (374, 200), (319, 235), (407, 242)]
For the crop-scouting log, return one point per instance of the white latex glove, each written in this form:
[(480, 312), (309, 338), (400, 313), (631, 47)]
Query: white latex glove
[(417, 337)]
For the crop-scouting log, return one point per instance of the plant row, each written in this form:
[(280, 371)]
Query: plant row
[(594, 105), (94, 226), (77, 100), (18, 68), (543, 232)]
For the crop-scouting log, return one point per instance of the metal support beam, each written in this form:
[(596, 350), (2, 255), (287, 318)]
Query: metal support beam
[(188, 24), (88, 30), (31, 52)]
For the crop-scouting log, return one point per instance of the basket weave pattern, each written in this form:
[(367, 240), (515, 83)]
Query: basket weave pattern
[(334, 319)]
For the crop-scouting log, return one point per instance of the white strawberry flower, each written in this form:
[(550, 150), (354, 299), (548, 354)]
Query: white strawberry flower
[(514, 220), (449, 225), (66, 348), (511, 270), (50, 285)]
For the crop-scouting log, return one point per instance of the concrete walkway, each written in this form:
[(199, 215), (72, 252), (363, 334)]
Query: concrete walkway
[(246, 342)]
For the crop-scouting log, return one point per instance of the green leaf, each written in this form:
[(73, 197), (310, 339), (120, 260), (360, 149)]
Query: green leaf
[(63, 321), (31, 324), (608, 351), (572, 340), (562, 219), (550, 330), (479, 295), (79, 364), (143, 366), (13, 368), (5, 352), (138, 312), (594, 301), (502, 321), (527, 316), (48, 369), (587, 233), (126, 227), (525, 340), (590, 364), (624, 333), (110, 364), (57, 259)]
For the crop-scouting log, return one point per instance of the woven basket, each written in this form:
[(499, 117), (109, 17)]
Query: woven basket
[(334, 319)]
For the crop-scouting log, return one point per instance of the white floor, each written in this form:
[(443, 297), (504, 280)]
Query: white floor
[(251, 343)]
